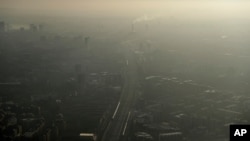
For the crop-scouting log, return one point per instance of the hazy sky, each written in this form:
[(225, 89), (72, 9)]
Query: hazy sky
[(183, 8)]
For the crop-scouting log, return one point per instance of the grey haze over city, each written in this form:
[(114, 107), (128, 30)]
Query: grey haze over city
[(123, 70)]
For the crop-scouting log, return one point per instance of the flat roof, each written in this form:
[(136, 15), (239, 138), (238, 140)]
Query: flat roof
[(86, 134)]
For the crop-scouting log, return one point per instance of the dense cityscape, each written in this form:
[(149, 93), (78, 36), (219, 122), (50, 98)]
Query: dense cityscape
[(149, 78)]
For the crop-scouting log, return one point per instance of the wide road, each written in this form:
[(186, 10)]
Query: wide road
[(118, 126)]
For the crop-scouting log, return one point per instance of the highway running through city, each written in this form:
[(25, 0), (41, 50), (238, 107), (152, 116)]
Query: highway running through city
[(119, 124)]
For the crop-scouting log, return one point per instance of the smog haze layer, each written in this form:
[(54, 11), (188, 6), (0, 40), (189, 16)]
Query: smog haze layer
[(121, 66), (199, 10)]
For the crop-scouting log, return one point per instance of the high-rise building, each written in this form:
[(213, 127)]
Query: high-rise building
[(33, 27), (78, 68), (133, 27), (146, 26), (87, 42), (2, 26)]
